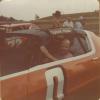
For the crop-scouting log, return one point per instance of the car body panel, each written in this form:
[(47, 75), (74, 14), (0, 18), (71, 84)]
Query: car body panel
[(15, 88)]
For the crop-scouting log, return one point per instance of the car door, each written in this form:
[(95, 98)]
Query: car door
[(83, 78), (75, 78), (83, 75)]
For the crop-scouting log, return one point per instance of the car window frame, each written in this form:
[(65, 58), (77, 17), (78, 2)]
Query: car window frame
[(56, 63)]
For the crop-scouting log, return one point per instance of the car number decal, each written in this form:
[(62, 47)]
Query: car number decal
[(50, 74)]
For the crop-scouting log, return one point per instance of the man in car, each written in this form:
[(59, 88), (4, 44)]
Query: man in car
[(65, 48), (42, 49), (58, 49), (53, 49)]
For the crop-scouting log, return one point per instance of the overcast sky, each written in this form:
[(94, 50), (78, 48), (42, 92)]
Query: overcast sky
[(26, 9)]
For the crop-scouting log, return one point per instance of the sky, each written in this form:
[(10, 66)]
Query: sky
[(26, 9)]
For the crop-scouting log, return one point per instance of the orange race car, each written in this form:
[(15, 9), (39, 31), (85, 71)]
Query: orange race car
[(26, 73)]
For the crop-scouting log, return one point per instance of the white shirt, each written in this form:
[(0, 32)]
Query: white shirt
[(68, 24), (78, 26)]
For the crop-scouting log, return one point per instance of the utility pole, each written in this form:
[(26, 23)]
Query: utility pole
[(99, 16)]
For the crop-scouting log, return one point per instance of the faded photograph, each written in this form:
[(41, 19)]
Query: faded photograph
[(49, 50)]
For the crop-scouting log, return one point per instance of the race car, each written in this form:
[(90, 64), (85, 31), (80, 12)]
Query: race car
[(26, 73)]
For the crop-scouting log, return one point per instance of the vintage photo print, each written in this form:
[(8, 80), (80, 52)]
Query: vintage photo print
[(49, 50)]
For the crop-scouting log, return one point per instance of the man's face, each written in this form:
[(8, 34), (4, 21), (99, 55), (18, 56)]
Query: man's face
[(66, 43)]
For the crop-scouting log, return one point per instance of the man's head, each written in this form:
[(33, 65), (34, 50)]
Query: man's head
[(66, 43)]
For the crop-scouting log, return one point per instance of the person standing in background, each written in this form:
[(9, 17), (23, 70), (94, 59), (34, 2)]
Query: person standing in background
[(78, 26), (56, 19), (68, 23)]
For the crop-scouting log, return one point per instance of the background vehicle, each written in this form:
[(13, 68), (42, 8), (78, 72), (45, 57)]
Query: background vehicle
[(25, 76), (14, 27)]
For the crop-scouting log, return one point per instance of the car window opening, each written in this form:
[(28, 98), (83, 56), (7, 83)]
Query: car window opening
[(18, 53)]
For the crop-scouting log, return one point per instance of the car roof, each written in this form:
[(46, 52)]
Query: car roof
[(52, 31), (35, 32), (27, 32), (15, 25)]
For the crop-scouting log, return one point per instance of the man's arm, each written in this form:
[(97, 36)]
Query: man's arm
[(45, 51)]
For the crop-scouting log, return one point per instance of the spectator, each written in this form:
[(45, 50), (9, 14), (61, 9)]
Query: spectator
[(56, 19), (82, 20), (68, 23), (78, 26)]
